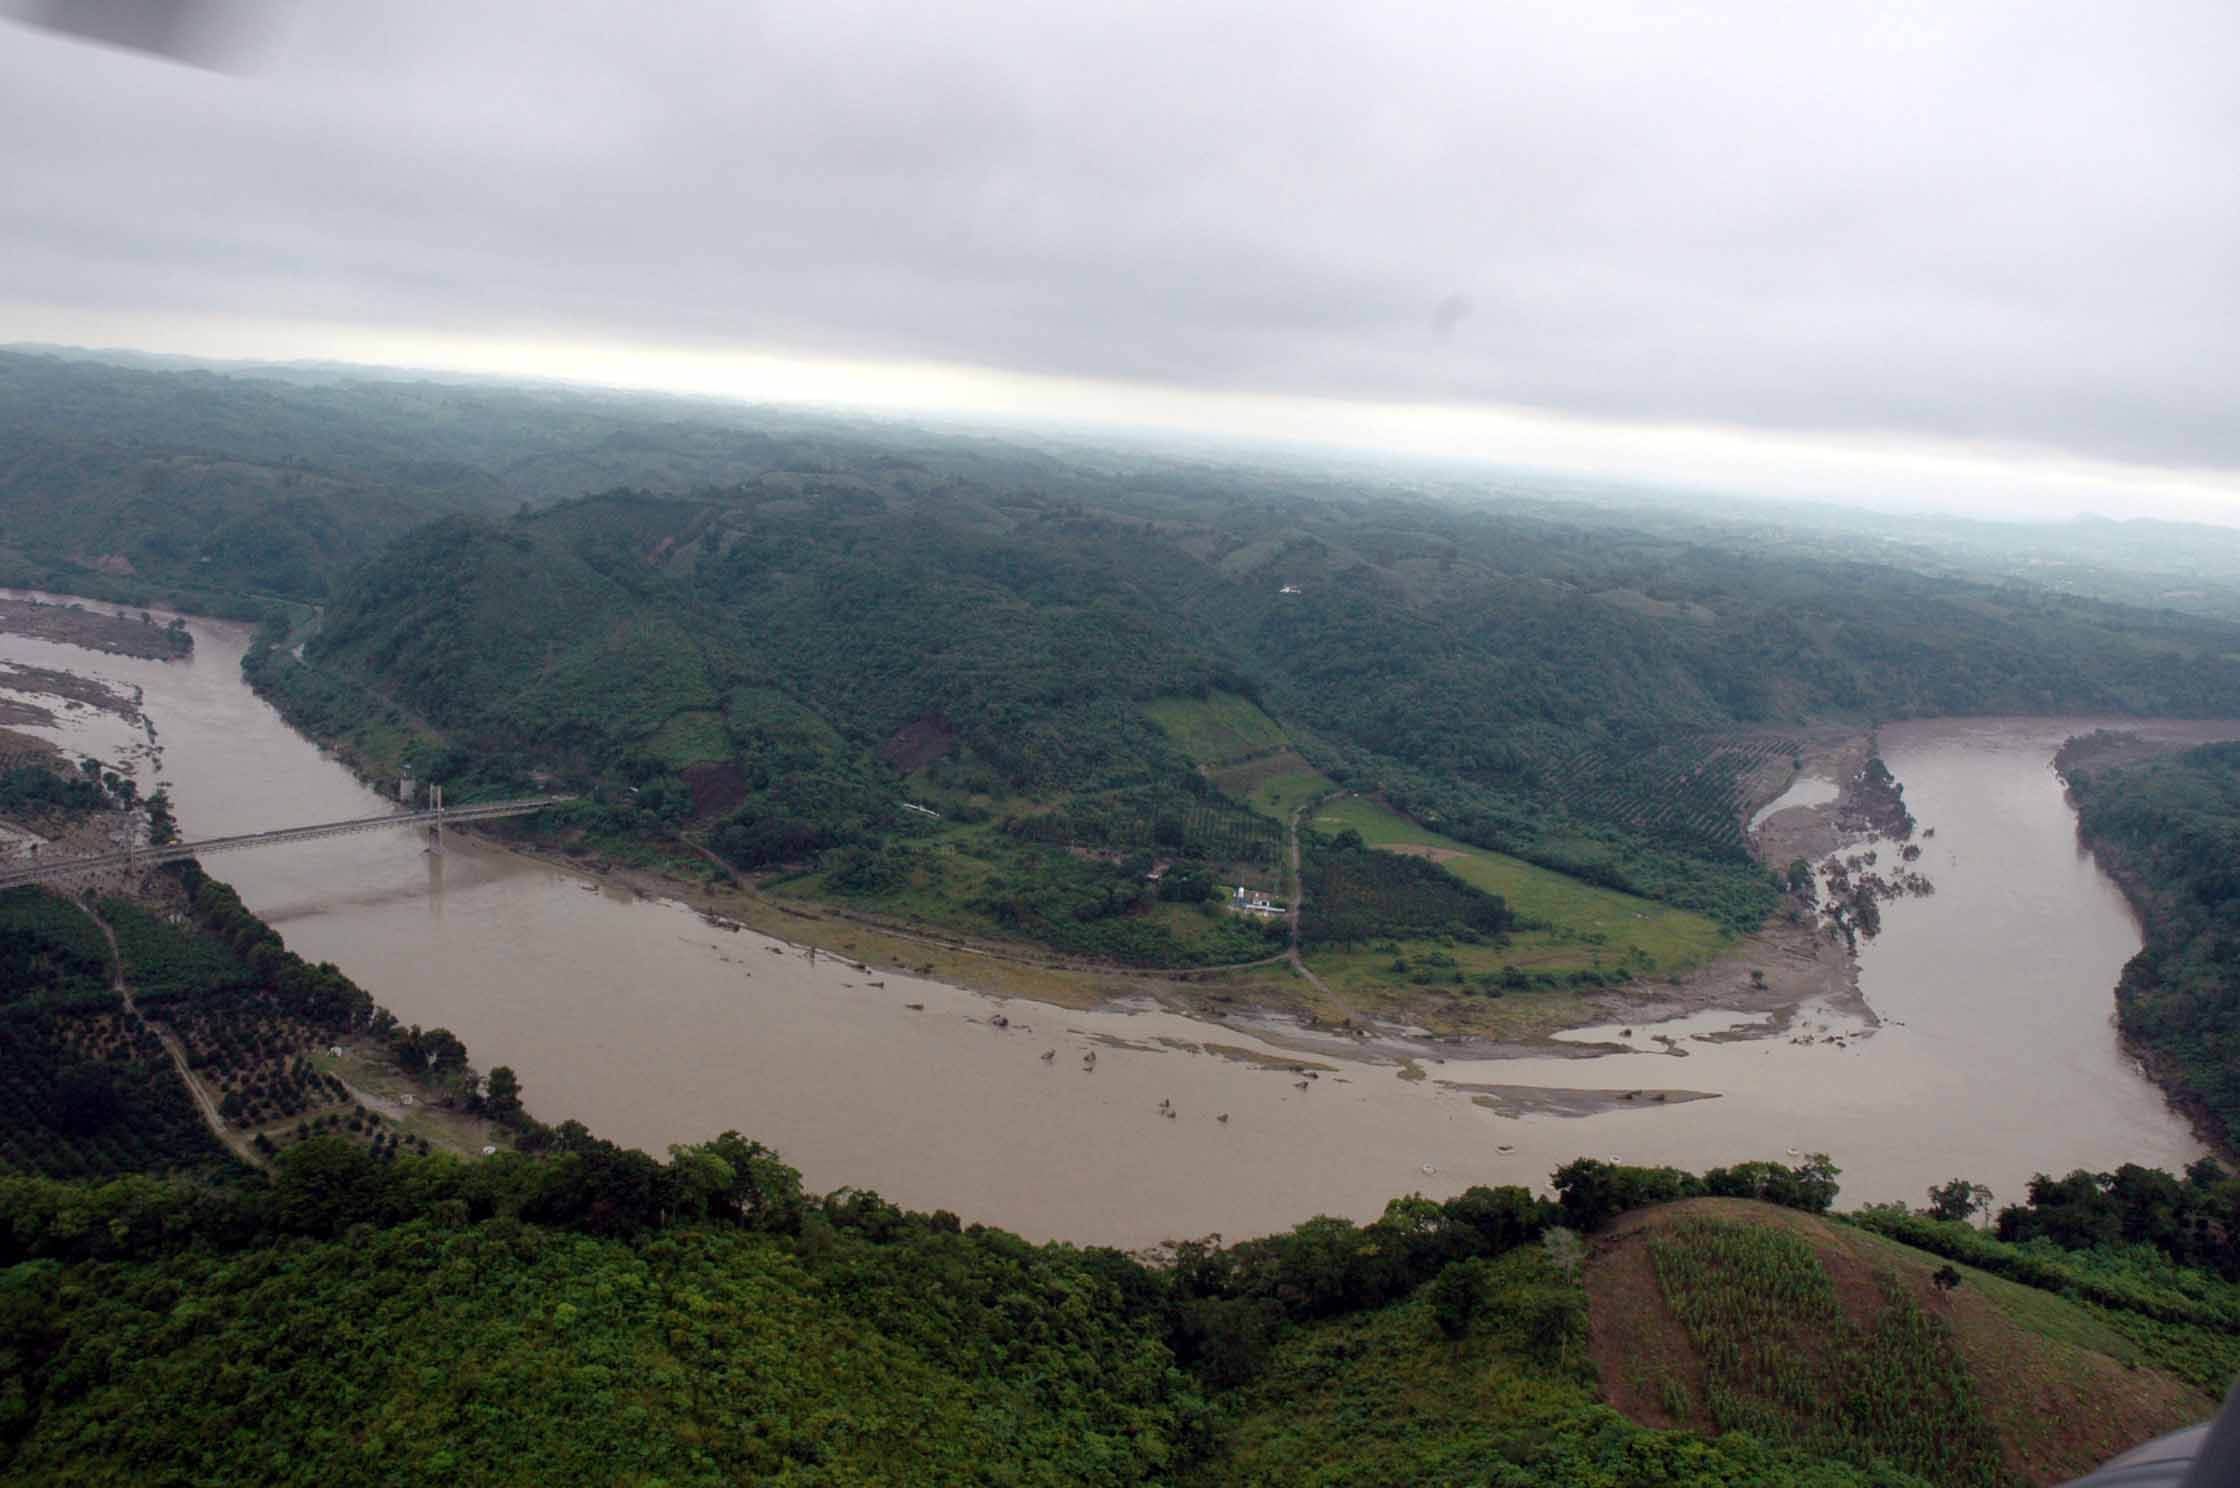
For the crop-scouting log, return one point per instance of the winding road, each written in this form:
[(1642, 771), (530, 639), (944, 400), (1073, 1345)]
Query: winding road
[(220, 1128)]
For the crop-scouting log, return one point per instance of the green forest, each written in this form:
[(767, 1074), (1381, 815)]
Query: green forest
[(873, 657), (2170, 829), (370, 1312), (357, 1307)]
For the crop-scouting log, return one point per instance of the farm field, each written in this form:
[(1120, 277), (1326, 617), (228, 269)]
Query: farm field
[(1689, 792), (1277, 785), (1244, 752), (1218, 729), (977, 881), (1816, 1335), (1586, 926)]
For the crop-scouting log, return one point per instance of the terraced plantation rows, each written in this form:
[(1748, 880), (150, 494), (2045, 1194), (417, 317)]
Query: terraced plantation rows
[(1163, 822), (1689, 793)]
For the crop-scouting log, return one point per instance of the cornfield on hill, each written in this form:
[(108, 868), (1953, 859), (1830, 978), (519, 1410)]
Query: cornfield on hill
[(1785, 1362)]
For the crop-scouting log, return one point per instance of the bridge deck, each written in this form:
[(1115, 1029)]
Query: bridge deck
[(15, 873)]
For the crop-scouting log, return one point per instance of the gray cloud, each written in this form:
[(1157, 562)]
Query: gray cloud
[(1996, 221)]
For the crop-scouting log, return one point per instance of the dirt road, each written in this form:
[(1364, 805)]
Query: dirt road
[(237, 1144)]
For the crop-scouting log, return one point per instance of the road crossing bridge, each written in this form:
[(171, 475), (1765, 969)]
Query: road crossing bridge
[(47, 869)]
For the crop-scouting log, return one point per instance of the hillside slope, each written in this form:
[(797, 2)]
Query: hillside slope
[(1728, 1314), (1469, 663)]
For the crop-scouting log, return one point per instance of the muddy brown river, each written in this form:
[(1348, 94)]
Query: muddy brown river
[(1997, 1057)]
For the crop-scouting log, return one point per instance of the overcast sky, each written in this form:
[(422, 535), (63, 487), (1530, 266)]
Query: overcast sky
[(1999, 238)]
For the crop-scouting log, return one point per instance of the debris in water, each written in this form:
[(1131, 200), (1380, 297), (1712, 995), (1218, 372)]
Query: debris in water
[(915, 1007), (1048, 1055)]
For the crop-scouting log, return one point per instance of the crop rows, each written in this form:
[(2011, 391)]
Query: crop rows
[(1689, 793), (255, 1063), (1175, 824), (1785, 1362)]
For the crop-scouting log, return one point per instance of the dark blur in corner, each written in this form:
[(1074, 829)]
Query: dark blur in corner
[(218, 35)]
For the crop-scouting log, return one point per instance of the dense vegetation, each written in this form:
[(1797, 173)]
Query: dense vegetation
[(703, 1319), (86, 1089), (34, 791), (2170, 828), (368, 1313), (50, 952), (1361, 894), (990, 687), (767, 629)]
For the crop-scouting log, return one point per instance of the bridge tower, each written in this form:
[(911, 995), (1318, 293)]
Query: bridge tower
[(435, 828)]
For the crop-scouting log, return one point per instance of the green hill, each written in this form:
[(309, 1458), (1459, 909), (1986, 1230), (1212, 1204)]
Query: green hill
[(2168, 828), (1728, 1314)]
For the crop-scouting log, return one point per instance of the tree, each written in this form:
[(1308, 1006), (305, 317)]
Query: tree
[(1565, 1251), (85, 1097), (1458, 1295), (1958, 1200), (503, 1095)]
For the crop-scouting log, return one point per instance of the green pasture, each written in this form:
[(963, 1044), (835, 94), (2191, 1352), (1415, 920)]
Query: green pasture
[(1216, 729), (1578, 914)]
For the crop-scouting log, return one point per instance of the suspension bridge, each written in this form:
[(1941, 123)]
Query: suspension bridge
[(36, 869)]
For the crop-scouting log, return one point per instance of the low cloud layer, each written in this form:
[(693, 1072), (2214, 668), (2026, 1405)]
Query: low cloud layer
[(2003, 222)]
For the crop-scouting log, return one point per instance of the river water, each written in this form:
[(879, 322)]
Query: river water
[(1998, 1056)]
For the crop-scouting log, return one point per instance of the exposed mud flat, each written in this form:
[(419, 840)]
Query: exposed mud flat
[(1805, 820), (75, 690), (19, 710), (1790, 964), (118, 633), (1552, 1100)]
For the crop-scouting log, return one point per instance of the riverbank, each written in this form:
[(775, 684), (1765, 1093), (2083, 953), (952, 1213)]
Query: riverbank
[(2118, 748), (1769, 976), (656, 1011)]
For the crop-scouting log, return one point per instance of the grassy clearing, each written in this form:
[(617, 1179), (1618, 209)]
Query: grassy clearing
[(2041, 1312), (1276, 784), (1587, 926), (1216, 729), (690, 739), (405, 1102), (379, 748)]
